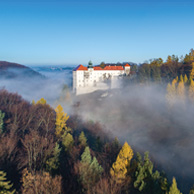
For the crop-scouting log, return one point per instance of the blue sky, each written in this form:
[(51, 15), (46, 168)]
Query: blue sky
[(74, 32)]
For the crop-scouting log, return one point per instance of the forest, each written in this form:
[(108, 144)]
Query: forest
[(45, 150)]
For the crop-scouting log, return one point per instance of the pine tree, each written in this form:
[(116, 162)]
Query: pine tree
[(89, 170), (146, 179), (120, 166), (67, 141), (5, 186), (2, 115), (82, 139), (61, 119), (86, 157), (173, 188), (52, 163)]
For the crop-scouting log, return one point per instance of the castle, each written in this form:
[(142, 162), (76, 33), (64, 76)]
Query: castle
[(89, 79)]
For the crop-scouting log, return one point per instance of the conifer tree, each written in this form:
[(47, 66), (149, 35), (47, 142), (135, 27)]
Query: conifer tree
[(82, 139), (67, 141), (52, 163), (146, 179), (89, 170), (5, 186), (173, 188), (86, 156), (2, 115), (120, 166)]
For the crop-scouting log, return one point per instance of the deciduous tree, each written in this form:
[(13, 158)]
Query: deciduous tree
[(173, 188), (61, 119), (120, 166)]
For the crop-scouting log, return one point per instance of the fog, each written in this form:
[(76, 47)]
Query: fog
[(49, 85), (137, 114), (140, 115)]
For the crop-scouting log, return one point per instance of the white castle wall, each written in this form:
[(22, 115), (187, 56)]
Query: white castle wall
[(86, 81)]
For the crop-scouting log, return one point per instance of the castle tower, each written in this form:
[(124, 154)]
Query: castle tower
[(127, 69)]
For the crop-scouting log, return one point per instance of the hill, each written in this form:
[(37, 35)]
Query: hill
[(9, 70)]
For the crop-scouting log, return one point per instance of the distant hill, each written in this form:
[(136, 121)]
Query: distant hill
[(9, 70)]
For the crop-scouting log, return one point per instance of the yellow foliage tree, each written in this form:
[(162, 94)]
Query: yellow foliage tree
[(171, 93), (191, 91), (192, 71), (169, 59), (41, 101), (119, 168), (181, 90), (61, 119), (185, 79)]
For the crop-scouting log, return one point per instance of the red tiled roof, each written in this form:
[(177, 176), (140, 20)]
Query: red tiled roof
[(80, 68), (127, 65), (113, 68), (98, 68)]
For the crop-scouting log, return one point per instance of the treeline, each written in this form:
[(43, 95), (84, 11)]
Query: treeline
[(43, 150), (157, 70)]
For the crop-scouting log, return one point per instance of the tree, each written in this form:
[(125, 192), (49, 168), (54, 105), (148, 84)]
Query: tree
[(169, 59), (41, 101), (192, 190), (173, 188), (67, 141), (52, 163), (181, 89), (145, 179), (120, 166), (89, 170), (82, 139), (102, 65), (40, 183), (191, 91), (185, 79), (61, 119), (37, 150), (5, 186), (2, 115), (192, 71)]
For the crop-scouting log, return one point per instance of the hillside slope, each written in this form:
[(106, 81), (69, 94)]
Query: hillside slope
[(11, 70)]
